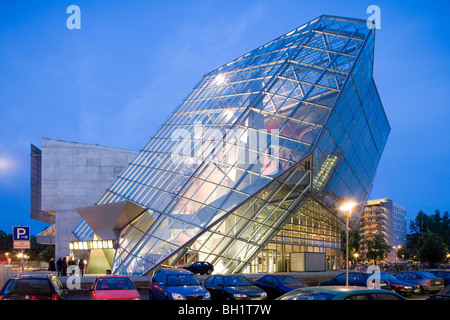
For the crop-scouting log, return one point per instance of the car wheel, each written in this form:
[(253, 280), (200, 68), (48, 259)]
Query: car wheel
[(421, 291)]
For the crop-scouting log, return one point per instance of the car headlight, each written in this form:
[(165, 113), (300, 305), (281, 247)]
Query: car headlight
[(177, 296), (207, 295), (239, 295), (264, 295)]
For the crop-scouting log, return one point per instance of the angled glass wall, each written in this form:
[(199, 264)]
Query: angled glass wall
[(256, 143)]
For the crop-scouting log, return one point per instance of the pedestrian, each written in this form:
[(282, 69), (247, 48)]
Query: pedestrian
[(59, 266), (64, 267), (51, 265), (81, 266)]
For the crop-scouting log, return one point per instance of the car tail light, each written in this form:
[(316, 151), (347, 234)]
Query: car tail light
[(55, 297), (429, 282), (1, 297)]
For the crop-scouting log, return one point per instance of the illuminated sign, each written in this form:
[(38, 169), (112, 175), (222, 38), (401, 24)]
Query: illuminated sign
[(91, 245)]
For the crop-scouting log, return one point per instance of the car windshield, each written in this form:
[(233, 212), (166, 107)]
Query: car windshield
[(115, 284), (289, 280), (307, 295), (182, 280), (236, 281), (28, 287), (387, 277)]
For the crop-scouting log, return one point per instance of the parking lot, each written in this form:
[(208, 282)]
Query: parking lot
[(143, 282)]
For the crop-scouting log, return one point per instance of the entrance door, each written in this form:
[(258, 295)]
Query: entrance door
[(267, 261)]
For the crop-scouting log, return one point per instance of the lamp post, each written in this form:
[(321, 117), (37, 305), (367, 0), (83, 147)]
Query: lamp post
[(347, 209)]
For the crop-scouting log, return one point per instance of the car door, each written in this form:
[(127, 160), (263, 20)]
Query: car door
[(219, 288), (414, 278), (210, 286), (158, 286), (271, 287)]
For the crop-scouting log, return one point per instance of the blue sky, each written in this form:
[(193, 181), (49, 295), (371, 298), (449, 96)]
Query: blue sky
[(114, 81)]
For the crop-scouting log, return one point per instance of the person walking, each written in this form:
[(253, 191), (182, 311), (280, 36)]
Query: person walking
[(64, 267), (81, 266), (51, 265), (59, 266)]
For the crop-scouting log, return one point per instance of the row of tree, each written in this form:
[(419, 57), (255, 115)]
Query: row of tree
[(428, 242), (430, 239), (37, 252)]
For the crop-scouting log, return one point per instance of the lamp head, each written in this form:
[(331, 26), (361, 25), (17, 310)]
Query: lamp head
[(347, 206)]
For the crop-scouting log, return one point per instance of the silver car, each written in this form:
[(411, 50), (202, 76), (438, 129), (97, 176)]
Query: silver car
[(427, 281)]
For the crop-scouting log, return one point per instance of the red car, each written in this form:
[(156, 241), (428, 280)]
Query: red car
[(114, 287)]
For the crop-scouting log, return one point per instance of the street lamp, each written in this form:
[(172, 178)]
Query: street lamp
[(347, 209)]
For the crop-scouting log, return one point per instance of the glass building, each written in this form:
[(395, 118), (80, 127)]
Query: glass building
[(254, 163)]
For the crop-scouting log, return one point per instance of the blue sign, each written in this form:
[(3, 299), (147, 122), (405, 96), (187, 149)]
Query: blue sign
[(21, 233)]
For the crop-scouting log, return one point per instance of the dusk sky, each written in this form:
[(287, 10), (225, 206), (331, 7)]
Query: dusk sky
[(114, 81)]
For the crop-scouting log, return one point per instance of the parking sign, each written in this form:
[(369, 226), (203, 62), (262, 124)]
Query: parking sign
[(21, 237)]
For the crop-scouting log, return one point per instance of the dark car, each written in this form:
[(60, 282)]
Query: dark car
[(442, 295), (176, 284), (360, 279), (233, 288), (200, 267), (34, 288), (340, 293), (276, 286), (443, 275), (400, 286), (426, 280)]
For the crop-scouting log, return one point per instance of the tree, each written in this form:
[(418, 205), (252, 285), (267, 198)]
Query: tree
[(431, 248), (436, 223), (377, 248), (420, 224), (353, 243)]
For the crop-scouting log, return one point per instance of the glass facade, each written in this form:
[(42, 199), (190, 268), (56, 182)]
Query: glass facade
[(255, 160)]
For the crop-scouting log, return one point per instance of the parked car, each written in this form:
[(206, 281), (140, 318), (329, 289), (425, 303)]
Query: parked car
[(354, 279), (442, 295), (400, 286), (426, 280), (444, 275), (231, 287), (200, 267), (176, 284), (276, 286), (340, 293), (34, 288), (114, 287)]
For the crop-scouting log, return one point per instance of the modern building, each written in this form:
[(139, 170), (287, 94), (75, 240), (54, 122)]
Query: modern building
[(67, 175), (387, 218), (250, 170)]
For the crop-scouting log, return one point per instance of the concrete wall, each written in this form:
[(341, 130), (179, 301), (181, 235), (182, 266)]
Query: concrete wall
[(75, 175)]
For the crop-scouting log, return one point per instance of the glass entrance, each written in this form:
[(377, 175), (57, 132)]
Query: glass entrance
[(267, 261)]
